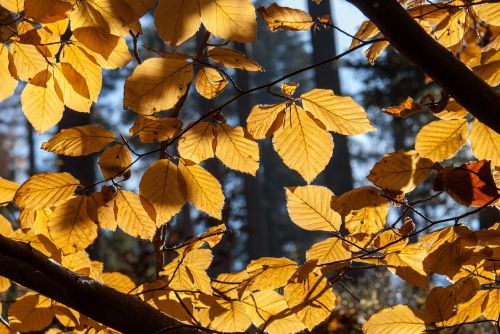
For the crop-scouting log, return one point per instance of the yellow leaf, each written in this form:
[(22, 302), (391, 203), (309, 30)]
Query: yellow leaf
[(453, 110), (404, 109), (328, 251), (450, 31), (488, 12), (97, 40), (312, 299), (229, 317), (188, 271), (69, 226), (7, 190), (286, 18), (42, 106), (153, 129), (397, 319), (302, 144), (119, 57), (364, 210), (31, 312), (86, 65), (15, 6), (265, 119), (289, 88), (233, 59), (440, 140), (236, 150), (228, 284), (78, 262), (118, 282), (161, 187), (400, 171), (47, 11), (367, 30), (4, 286), (157, 84), (177, 20), (28, 60), (230, 19), (492, 308), (79, 141), (45, 190), (5, 227), (72, 85), (210, 83), (339, 114), (485, 143), (115, 161), (7, 83), (197, 144), (135, 216), (373, 52), (268, 311), (202, 189), (269, 273), (309, 208)]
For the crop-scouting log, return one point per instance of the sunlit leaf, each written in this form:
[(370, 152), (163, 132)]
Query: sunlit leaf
[(79, 141), (440, 140)]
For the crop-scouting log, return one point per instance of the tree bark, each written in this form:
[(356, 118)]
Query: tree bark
[(338, 173), (406, 35), (125, 313)]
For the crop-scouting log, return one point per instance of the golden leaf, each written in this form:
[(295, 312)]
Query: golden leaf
[(440, 140), (373, 52), (188, 271), (397, 319), (119, 56), (236, 150), (440, 304), (309, 208), (302, 144), (210, 83), (286, 18), (32, 312), (135, 215), (79, 141), (364, 210), (157, 84), (328, 251), (28, 60), (453, 110), (97, 40), (311, 299), (161, 187), (47, 11), (406, 108), (7, 191), (488, 12), (69, 226), (485, 143), (233, 59), (265, 119), (115, 161), (450, 31), (269, 273), (400, 171), (202, 189), (230, 19), (197, 144), (229, 316), (5, 227), (367, 30), (72, 85), (153, 129), (7, 83), (340, 114), (15, 6), (4, 286), (45, 190), (268, 311), (43, 107), (177, 20), (119, 282), (289, 88), (492, 308)]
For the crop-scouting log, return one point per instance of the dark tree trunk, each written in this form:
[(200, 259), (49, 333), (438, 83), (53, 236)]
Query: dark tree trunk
[(338, 173)]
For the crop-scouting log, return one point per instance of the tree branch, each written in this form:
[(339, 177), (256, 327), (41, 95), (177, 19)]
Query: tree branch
[(125, 313), (406, 35)]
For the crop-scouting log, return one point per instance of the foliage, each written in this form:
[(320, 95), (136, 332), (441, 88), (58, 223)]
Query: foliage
[(59, 48)]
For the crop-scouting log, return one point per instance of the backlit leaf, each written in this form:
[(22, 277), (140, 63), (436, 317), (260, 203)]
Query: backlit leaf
[(31, 312), (45, 190), (229, 317), (115, 161), (265, 119), (177, 20), (236, 150), (79, 141), (233, 59), (440, 140), (136, 216), (328, 251), (7, 190), (397, 319), (7, 83), (210, 83), (286, 18), (153, 129), (197, 144), (485, 143)]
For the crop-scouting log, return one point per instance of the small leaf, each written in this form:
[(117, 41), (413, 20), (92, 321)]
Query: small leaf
[(115, 161), (406, 108), (32, 312), (8, 84), (79, 141), (233, 59), (285, 18), (7, 190), (153, 129), (210, 83), (265, 119), (485, 143)]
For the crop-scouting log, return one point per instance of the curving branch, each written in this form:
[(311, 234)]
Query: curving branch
[(406, 35), (125, 313)]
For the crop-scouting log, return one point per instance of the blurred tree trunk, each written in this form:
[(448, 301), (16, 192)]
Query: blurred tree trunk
[(31, 148), (256, 225), (83, 168), (338, 173)]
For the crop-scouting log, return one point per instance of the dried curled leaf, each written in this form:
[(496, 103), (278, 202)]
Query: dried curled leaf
[(285, 18), (233, 59), (406, 108)]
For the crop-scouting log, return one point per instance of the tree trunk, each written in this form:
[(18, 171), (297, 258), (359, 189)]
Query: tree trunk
[(338, 173)]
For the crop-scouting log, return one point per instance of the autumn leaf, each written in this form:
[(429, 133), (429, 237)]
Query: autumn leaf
[(328, 251), (397, 319), (264, 119), (197, 143), (136, 216), (7, 83), (269, 273), (302, 144), (153, 129), (286, 18), (45, 190), (115, 161), (210, 83), (485, 143), (233, 59), (309, 208), (157, 84), (79, 141), (31, 312), (177, 20), (229, 316), (339, 114), (406, 108), (440, 140), (8, 190)]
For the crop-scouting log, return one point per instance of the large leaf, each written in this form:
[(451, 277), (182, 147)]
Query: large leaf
[(79, 141), (485, 143), (440, 140), (136, 216), (397, 319), (177, 20), (197, 144), (236, 150)]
